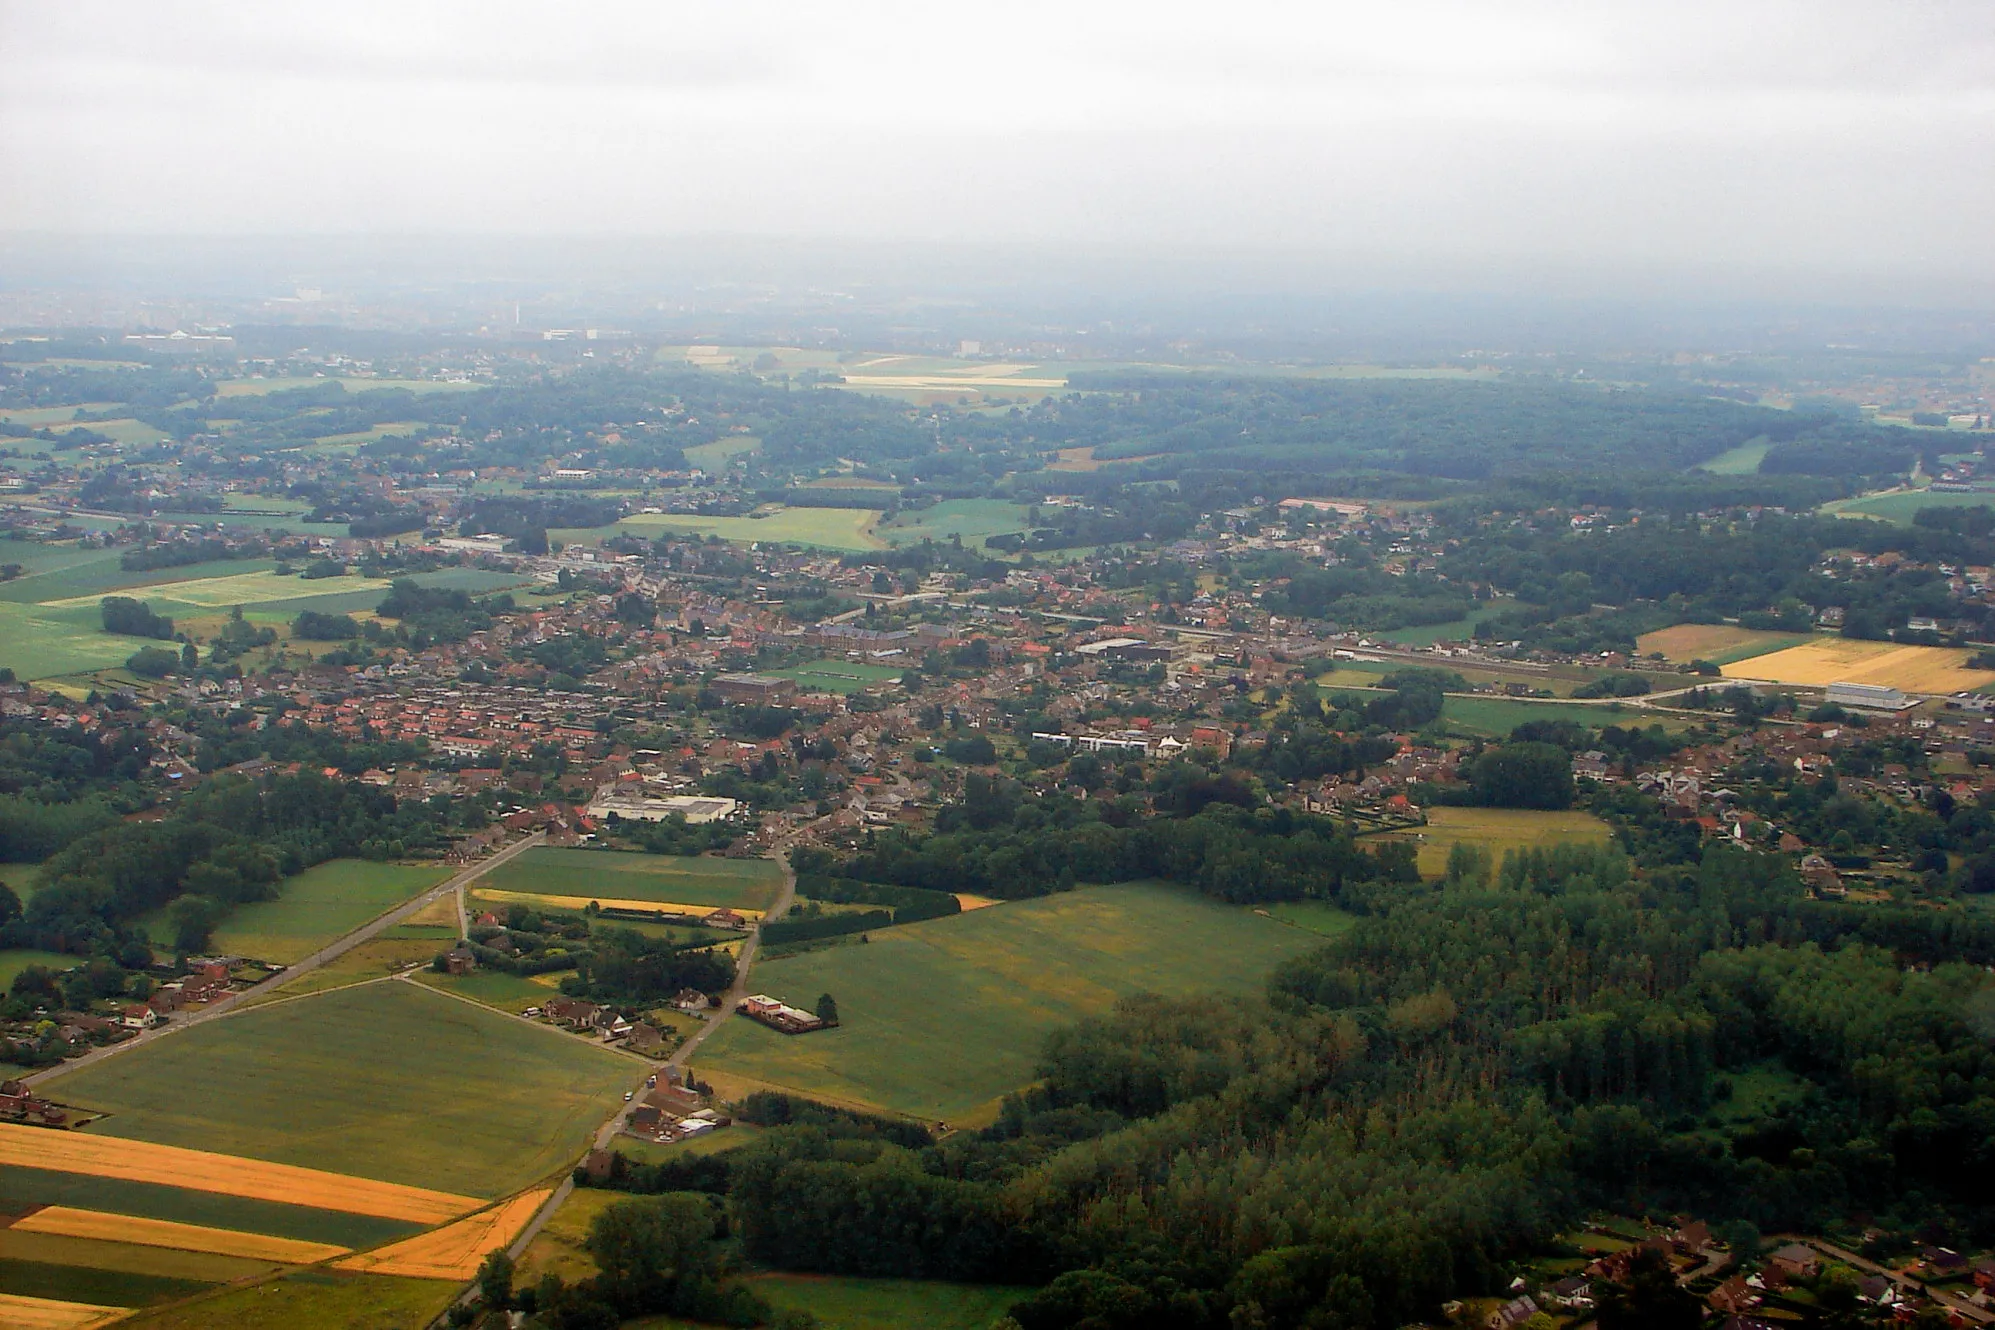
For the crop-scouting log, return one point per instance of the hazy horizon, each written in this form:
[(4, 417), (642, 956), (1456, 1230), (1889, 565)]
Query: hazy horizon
[(1825, 153)]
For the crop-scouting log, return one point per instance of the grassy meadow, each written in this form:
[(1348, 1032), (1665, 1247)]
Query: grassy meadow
[(1898, 507), (607, 874), (716, 455), (319, 905), (1743, 460), (1497, 716), (16, 959), (312, 1300), (1498, 830), (971, 519), (384, 1081), (942, 1018), (837, 676), (845, 529), (842, 1302)]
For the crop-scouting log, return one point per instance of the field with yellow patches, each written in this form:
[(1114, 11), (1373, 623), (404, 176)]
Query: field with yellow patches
[(1498, 830), (64, 1221), (941, 1018), (971, 901), (23, 1313), (1828, 660), (201, 1170), (1719, 643), (607, 902), (455, 1250)]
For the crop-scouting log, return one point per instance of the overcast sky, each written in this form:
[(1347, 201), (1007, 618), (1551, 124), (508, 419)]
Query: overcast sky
[(1824, 137)]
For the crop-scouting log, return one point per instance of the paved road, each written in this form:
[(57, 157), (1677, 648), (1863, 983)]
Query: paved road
[(367, 931), (1898, 1277), (610, 1130)]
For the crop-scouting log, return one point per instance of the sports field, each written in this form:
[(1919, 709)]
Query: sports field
[(1828, 660), (1719, 643), (312, 1300), (1499, 830), (941, 1018), (837, 676), (1498, 716), (455, 1250), (846, 529), (319, 905), (646, 879), (380, 1081)]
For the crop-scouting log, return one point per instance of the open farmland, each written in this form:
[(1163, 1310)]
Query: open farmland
[(644, 878), (312, 1300), (19, 1243), (44, 644), (455, 1250), (1498, 716), (420, 387), (1499, 830), (941, 1018), (383, 1081), (972, 519), (206, 1170), (555, 902), (21, 1312), (1900, 506), (845, 529), (24, 1188), (1828, 660), (559, 1248), (65, 1221), (1719, 643), (239, 588), (317, 906)]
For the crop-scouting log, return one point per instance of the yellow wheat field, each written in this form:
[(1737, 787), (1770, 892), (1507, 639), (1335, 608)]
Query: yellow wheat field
[(64, 1221), (24, 1313), (454, 1251), (607, 902), (230, 1175), (1847, 660)]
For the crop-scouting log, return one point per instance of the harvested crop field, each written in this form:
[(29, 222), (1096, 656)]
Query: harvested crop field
[(741, 884), (22, 1189), (24, 1313), (607, 902), (1719, 643), (203, 1170), (455, 1250), (65, 1221), (385, 1081), (1828, 660)]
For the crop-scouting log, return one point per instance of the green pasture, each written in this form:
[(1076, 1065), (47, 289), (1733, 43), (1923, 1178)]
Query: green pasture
[(1454, 630), (35, 417), (1497, 716), (96, 573), (385, 1081), (38, 643), (970, 519), (942, 1018), (1900, 506), (312, 1300), (845, 529), (748, 884), (318, 906), (493, 988), (258, 587), (1743, 460), (24, 1187), (716, 455), (1319, 917), (1498, 830), (16, 959), (837, 676), (82, 1283)]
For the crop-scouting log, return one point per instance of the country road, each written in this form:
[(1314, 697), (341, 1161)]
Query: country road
[(332, 951), (743, 963)]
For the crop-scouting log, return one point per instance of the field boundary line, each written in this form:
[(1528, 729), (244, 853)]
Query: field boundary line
[(510, 1015)]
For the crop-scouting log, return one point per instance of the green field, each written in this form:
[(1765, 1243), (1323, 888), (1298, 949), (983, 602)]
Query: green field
[(383, 1080), (1898, 507), (318, 906), (239, 587), (43, 644), (1743, 460), (261, 387), (51, 1249), (837, 676), (1319, 917), (971, 519), (1499, 830), (82, 1283), (1455, 630), (748, 884), (1497, 716), (493, 988), (716, 455), (24, 1187), (16, 959), (845, 529), (312, 1300), (943, 1017)]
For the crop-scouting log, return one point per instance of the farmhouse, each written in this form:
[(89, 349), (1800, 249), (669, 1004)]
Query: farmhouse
[(778, 1015)]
